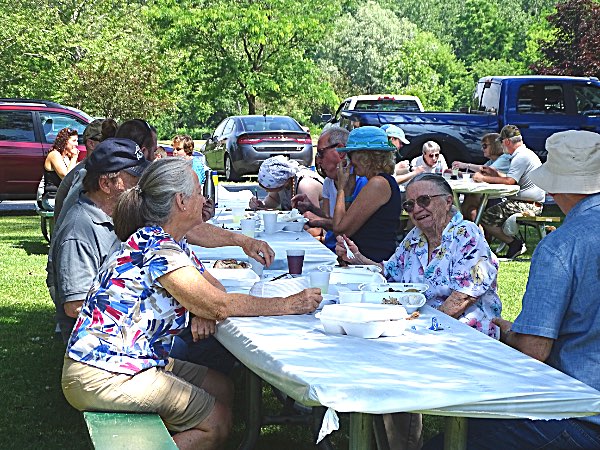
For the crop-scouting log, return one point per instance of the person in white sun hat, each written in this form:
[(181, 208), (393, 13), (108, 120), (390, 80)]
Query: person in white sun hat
[(559, 322), (397, 138)]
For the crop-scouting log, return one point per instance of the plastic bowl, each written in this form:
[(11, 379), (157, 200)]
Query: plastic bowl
[(296, 226)]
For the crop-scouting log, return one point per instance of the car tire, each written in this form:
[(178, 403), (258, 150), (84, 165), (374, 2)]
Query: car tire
[(230, 173)]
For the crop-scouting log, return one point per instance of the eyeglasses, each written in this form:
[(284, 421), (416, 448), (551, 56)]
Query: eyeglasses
[(432, 155), (422, 200), (321, 151), (485, 145)]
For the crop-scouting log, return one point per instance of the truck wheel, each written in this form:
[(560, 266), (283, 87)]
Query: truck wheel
[(230, 172)]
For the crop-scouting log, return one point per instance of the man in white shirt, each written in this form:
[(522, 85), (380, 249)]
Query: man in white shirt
[(528, 201)]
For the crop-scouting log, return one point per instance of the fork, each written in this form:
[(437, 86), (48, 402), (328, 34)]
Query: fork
[(349, 254)]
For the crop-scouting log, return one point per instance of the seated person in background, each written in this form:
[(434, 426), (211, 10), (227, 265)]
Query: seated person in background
[(444, 251), (183, 146), (559, 322), (374, 215), (492, 149), (529, 200), (431, 160), (118, 355), (160, 152), (327, 160), (61, 159), (397, 138), (283, 179)]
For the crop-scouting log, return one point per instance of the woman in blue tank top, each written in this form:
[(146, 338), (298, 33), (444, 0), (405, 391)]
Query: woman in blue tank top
[(372, 218)]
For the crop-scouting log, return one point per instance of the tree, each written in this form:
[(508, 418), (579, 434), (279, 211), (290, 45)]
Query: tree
[(572, 50), (257, 48)]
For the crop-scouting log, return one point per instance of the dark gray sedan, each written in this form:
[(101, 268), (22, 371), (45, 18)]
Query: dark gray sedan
[(240, 144)]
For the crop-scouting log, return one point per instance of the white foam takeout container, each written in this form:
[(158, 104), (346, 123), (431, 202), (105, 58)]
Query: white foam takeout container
[(363, 320), (232, 277), (397, 287), (411, 301), (352, 278)]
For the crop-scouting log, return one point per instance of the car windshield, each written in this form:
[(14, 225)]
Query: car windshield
[(262, 123), (387, 105)]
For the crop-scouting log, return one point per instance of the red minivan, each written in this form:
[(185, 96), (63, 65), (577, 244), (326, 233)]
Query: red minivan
[(27, 130)]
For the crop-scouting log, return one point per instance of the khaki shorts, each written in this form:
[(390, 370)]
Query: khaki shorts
[(497, 214), (173, 392)]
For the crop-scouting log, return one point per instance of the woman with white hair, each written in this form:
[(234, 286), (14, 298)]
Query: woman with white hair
[(284, 178), (431, 160), (118, 354)]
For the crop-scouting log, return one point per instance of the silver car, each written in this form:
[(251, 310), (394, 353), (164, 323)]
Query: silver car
[(240, 144)]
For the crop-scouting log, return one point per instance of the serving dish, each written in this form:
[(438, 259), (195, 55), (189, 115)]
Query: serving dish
[(411, 301)]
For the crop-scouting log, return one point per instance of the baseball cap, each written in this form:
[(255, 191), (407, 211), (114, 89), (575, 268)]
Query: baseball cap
[(93, 131), (116, 154), (507, 132), (397, 132)]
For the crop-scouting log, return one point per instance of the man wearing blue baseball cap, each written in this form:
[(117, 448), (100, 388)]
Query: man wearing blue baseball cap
[(86, 237)]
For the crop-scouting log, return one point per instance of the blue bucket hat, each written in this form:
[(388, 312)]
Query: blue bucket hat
[(367, 138)]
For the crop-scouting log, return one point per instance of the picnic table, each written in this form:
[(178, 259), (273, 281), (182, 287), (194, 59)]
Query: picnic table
[(486, 190), (456, 372)]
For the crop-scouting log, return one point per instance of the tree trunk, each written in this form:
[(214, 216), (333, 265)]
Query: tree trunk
[(251, 103)]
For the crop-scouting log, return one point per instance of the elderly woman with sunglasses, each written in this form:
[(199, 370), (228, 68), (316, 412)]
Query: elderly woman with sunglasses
[(446, 252)]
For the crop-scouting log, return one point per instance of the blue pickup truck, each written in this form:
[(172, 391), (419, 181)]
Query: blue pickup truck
[(538, 105)]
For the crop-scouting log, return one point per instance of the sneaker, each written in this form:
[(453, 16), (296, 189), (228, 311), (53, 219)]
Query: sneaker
[(515, 248)]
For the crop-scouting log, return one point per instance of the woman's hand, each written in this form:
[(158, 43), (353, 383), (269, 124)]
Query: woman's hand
[(256, 203), (202, 328), (302, 203), (306, 301), (343, 174), (456, 304), (459, 165), (340, 249)]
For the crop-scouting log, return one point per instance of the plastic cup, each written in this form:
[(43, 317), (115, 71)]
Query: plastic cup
[(270, 221), (455, 173), (248, 228), (256, 266), (319, 280), (238, 213), (350, 296), (295, 260), (466, 176)]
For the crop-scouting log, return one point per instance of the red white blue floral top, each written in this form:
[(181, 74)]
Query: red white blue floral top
[(128, 319)]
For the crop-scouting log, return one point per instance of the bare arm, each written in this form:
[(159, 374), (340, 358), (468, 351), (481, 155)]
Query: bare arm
[(312, 189), (376, 193), (72, 308), (537, 347), (57, 164), (490, 175), (201, 298), (211, 236)]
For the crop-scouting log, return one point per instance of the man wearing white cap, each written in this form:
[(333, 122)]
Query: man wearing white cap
[(559, 321)]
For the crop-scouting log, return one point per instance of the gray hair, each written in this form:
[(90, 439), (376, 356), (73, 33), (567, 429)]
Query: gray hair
[(151, 201), (335, 135), (431, 146), (515, 139), (443, 187)]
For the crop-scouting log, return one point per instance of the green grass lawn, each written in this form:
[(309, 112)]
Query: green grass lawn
[(34, 413)]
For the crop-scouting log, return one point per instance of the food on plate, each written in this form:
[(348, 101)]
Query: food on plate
[(390, 301), (414, 315), (405, 290), (231, 264)]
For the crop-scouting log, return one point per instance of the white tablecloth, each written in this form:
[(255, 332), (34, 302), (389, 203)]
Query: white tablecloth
[(455, 372), (494, 190), (316, 254)]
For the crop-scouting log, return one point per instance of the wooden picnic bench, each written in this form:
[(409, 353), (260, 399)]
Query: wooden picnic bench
[(537, 222), (128, 431)]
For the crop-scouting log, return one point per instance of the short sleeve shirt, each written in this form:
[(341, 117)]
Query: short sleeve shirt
[(561, 299), (523, 161), (502, 164), (463, 262), (128, 319)]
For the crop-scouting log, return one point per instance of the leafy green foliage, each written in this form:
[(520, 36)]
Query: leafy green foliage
[(571, 50)]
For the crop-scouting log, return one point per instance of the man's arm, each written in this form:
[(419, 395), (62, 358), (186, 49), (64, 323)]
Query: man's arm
[(537, 347), (211, 236), (490, 175)]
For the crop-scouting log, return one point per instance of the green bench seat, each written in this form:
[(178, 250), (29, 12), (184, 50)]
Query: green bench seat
[(47, 223), (538, 222), (127, 431)]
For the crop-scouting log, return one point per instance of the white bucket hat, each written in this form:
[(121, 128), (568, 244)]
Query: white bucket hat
[(573, 164), (397, 132), (274, 172)]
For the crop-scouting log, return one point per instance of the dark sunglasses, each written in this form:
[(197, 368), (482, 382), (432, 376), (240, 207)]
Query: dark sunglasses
[(484, 145), (422, 200), (321, 151)]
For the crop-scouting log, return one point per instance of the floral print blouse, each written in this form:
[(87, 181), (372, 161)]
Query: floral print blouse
[(463, 262), (128, 319)]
